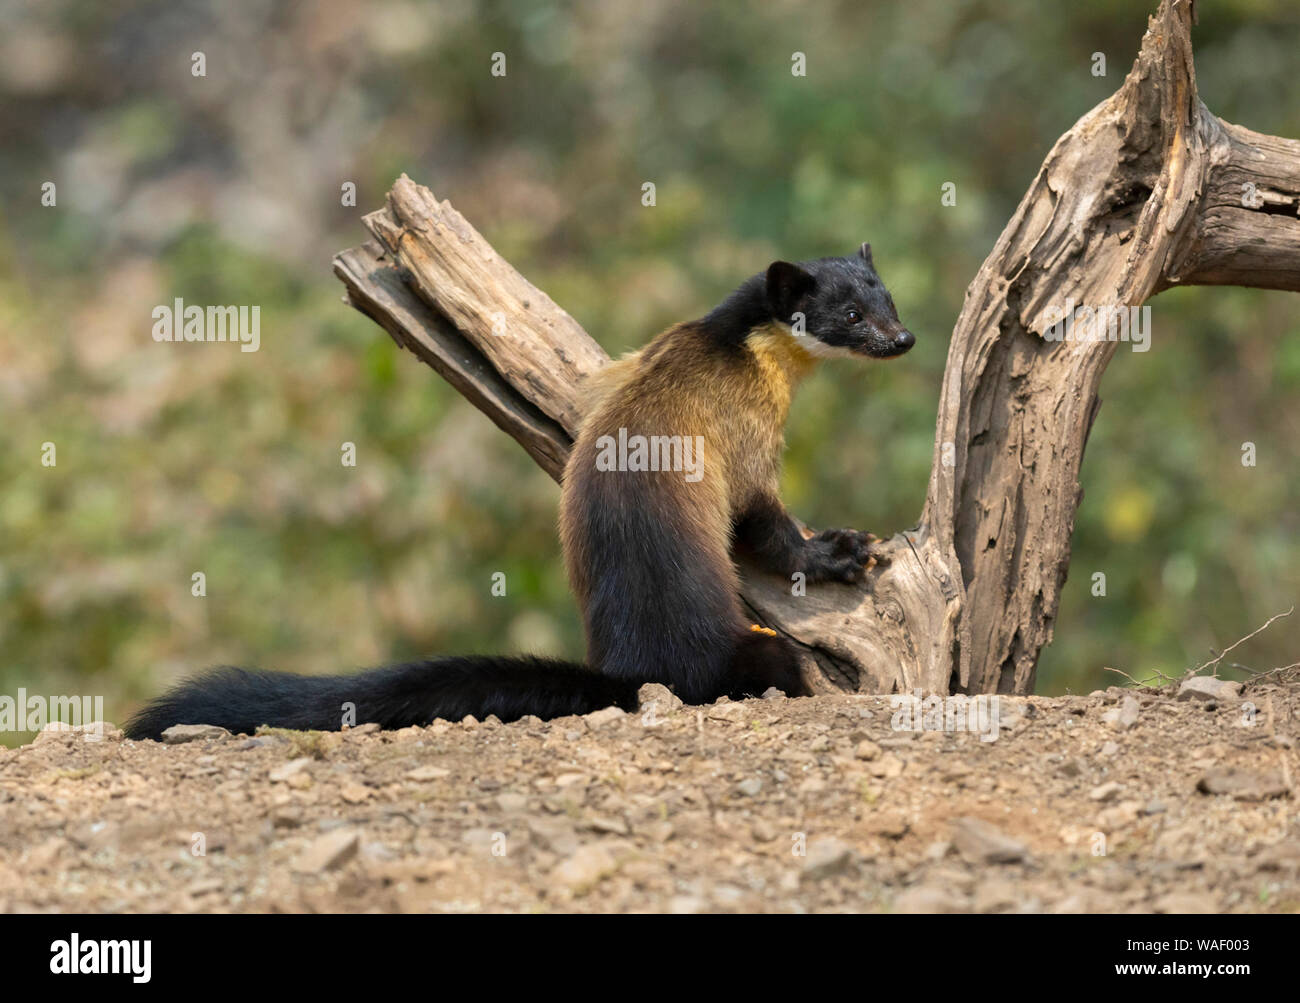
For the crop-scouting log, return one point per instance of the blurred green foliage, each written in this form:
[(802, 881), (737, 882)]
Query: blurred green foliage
[(225, 189)]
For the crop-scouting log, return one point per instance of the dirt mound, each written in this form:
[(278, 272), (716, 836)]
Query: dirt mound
[(1123, 800)]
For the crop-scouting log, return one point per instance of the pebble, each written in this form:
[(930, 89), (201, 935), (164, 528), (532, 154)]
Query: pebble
[(1209, 689), (979, 842), (726, 712), (1242, 784), (424, 774), (1123, 717), (604, 716), (290, 769), (1106, 792), (924, 900), (658, 699), (826, 857), (328, 852), (584, 868), (178, 734)]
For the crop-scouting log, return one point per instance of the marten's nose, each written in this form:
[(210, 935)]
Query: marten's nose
[(904, 340)]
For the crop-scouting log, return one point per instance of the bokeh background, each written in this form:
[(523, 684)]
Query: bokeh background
[(226, 189)]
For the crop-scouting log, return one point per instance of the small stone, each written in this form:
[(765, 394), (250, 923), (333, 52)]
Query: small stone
[(657, 699), (423, 774), (98, 731), (1109, 750), (178, 734), (469, 720), (584, 868), (772, 693), (1123, 717), (923, 900), (732, 712), (867, 749), (887, 767), (981, 843), (607, 823), (826, 857), (1242, 784), (1106, 792), (937, 850), (355, 793), (996, 895), (1123, 814), (328, 852), (290, 769), (512, 802), (751, 787), (204, 886), (891, 825), (1209, 689), (604, 716), (1283, 856), (555, 835), (369, 728), (763, 830), (286, 817)]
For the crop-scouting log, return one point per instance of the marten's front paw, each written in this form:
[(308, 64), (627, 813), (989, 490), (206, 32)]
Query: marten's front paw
[(840, 555)]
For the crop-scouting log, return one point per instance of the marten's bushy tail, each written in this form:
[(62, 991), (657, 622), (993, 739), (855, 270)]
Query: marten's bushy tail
[(396, 696)]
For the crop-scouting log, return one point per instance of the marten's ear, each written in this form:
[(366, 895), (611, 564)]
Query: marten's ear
[(786, 285), (864, 252)]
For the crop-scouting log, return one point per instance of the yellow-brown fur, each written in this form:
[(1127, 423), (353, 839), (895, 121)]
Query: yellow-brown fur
[(736, 400), (679, 384)]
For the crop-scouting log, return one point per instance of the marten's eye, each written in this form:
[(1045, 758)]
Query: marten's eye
[(853, 316)]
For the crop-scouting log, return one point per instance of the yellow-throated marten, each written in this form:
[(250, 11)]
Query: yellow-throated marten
[(675, 464)]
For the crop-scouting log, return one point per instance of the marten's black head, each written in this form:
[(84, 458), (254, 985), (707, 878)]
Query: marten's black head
[(838, 306)]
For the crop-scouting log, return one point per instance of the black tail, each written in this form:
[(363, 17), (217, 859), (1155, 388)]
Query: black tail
[(396, 696)]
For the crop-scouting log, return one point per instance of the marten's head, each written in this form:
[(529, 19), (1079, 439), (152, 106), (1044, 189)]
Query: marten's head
[(837, 306)]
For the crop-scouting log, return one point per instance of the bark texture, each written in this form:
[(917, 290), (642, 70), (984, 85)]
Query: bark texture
[(1147, 191)]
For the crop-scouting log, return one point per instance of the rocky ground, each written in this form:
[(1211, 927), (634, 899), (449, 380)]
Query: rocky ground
[(1120, 801)]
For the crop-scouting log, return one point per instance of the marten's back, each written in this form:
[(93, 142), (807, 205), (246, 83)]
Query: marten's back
[(647, 550)]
